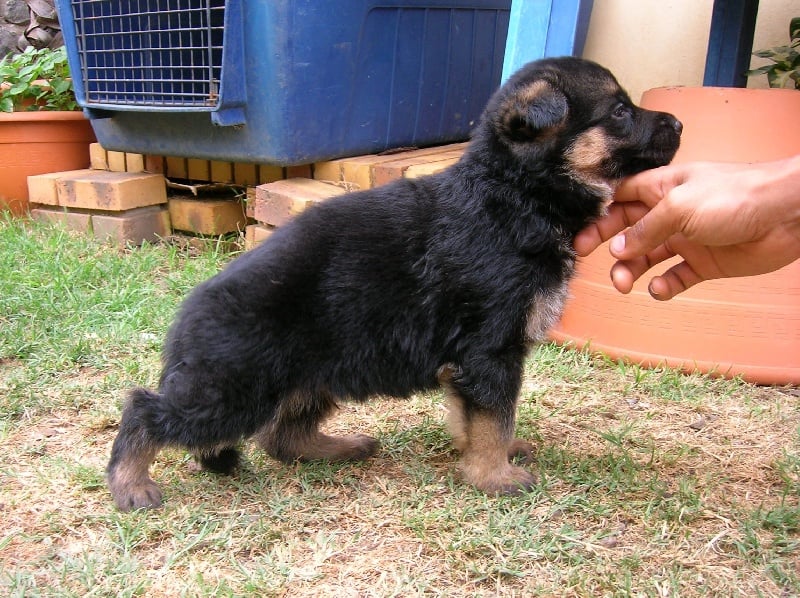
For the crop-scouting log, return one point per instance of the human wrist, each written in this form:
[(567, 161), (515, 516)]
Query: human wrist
[(777, 184), (786, 193)]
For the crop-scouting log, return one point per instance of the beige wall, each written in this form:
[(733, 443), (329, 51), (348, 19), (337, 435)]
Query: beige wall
[(652, 43)]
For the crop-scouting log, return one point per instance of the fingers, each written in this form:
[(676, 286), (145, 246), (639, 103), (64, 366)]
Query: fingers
[(633, 200), (626, 272), (653, 220), (651, 186), (647, 233), (619, 217), (672, 282)]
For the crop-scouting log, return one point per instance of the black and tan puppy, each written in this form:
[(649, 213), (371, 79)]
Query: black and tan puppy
[(444, 280)]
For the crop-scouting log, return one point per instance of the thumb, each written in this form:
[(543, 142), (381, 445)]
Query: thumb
[(646, 234)]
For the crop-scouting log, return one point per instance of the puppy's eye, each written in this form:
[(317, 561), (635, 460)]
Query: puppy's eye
[(621, 111)]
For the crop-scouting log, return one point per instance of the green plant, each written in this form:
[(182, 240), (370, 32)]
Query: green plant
[(786, 59), (36, 80)]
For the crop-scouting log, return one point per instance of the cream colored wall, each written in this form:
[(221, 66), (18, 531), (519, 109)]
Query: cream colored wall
[(653, 43)]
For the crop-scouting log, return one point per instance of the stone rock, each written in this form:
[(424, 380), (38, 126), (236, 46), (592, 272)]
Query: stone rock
[(17, 12)]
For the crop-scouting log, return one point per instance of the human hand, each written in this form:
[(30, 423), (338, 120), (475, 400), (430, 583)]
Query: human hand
[(724, 220)]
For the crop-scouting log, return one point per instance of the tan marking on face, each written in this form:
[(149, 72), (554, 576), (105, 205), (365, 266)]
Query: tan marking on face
[(585, 157)]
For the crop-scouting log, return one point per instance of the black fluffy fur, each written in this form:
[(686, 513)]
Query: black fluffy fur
[(373, 292)]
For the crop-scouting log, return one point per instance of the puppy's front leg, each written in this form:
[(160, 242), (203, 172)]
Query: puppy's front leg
[(484, 431)]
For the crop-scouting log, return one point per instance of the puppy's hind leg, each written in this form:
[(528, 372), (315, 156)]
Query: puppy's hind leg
[(131, 455), (293, 434), (221, 459)]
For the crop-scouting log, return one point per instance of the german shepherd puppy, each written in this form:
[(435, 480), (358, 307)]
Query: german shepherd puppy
[(445, 280)]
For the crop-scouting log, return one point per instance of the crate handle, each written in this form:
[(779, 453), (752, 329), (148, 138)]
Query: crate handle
[(232, 92)]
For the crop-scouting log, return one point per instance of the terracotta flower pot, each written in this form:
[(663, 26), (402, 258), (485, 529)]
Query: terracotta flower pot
[(38, 143), (748, 327)]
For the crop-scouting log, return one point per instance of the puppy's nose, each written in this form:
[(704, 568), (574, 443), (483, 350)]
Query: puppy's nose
[(671, 121)]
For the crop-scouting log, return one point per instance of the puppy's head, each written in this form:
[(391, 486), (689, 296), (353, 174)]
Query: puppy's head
[(568, 117)]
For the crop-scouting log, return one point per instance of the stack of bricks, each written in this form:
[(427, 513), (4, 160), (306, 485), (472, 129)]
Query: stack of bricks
[(275, 202), (218, 216), (123, 196), (124, 205)]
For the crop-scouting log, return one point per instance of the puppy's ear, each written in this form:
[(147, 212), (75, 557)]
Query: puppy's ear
[(532, 110)]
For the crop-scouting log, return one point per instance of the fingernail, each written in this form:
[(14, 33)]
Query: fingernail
[(653, 292), (618, 244)]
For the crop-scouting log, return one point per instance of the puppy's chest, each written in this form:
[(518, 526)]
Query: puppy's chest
[(547, 305)]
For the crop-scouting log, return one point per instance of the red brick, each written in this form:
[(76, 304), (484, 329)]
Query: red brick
[(116, 161), (418, 165), (255, 234), (132, 226), (43, 188), (302, 171), (207, 216), (278, 202), (358, 172), (154, 164), (98, 157), (111, 191), (76, 221)]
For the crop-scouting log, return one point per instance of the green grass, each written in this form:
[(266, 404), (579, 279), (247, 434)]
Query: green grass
[(631, 500)]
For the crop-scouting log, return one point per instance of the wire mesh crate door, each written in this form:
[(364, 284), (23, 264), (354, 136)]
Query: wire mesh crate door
[(157, 53)]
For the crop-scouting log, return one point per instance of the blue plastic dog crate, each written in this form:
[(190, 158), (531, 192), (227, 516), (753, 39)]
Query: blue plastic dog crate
[(282, 81)]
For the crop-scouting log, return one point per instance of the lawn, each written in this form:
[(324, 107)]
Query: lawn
[(651, 482)]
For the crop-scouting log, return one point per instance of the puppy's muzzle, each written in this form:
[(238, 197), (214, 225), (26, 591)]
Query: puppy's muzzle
[(667, 120)]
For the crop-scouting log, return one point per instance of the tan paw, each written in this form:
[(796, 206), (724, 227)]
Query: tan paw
[(507, 480), (356, 447), (129, 497)]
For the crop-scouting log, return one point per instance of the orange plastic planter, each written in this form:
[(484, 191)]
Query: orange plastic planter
[(38, 143), (748, 327)]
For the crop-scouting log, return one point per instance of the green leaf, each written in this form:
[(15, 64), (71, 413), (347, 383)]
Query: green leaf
[(794, 29), (777, 78), (759, 71), (20, 71)]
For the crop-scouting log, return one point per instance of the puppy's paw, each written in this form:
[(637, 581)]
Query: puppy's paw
[(509, 480), (223, 462), (145, 495), (321, 447), (356, 447)]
